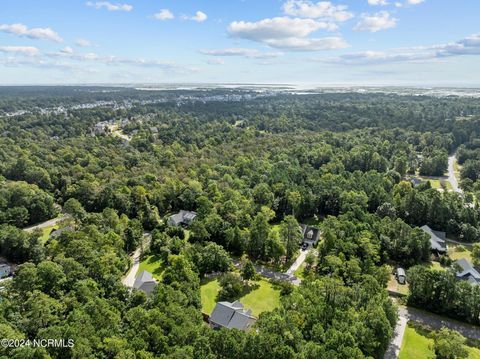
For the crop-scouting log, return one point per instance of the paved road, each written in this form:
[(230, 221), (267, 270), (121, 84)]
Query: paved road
[(270, 273), (129, 279), (437, 322), (451, 174), (49, 223), (393, 350)]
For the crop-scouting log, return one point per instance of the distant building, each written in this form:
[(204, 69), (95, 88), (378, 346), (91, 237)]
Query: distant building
[(416, 181), (467, 272), (5, 270), (145, 282), (182, 218), (231, 315), (437, 240), (311, 235), (56, 233)]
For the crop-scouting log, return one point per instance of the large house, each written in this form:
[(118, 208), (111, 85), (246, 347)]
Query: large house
[(467, 272), (5, 270), (182, 218), (311, 235), (438, 243), (145, 282), (231, 315)]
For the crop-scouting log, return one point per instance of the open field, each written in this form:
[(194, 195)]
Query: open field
[(264, 298), (418, 343), (152, 264)]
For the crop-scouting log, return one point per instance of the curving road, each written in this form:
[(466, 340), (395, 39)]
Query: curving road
[(49, 223)]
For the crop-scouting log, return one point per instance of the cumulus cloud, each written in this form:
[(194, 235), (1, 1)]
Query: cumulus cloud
[(216, 62), (321, 10), (34, 33), (414, 2), (198, 17), (378, 2), (163, 15), (376, 22), (250, 53), (20, 50), (110, 6), (287, 33), (83, 43)]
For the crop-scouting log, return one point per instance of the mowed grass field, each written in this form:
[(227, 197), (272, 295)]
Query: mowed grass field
[(152, 264), (262, 299), (417, 343)]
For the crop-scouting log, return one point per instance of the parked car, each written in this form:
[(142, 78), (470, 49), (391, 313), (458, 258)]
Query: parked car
[(304, 246)]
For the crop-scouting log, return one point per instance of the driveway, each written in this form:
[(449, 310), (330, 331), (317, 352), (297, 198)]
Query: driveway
[(298, 262), (393, 350), (437, 322), (129, 279), (49, 223), (451, 174), (270, 273)]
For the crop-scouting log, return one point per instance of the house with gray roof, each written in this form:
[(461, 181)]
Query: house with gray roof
[(182, 218), (231, 315), (145, 282), (438, 243), (5, 270), (311, 235), (466, 271)]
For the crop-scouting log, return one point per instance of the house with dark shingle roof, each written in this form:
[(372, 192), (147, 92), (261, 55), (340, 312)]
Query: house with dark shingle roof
[(311, 235), (467, 272), (182, 218), (145, 282), (231, 316), (437, 239)]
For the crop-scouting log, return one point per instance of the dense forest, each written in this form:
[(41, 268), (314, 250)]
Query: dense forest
[(253, 168)]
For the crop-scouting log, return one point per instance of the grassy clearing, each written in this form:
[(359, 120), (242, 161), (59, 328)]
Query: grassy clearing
[(152, 264), (208, 293), (456, 252), (262, 299), (46, 233), (265, 298), (394, 286), (417, 343)]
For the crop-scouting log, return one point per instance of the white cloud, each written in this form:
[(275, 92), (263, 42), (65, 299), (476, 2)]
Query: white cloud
[(287, 33), (164, 14), (83, 43), (67, 50), (414, 2), (35, 33), (198, 17), (21, 50), (378, 2), (250, 53), (376, 22), (321, 10), (109, 6), (216, 62), (469, 46)]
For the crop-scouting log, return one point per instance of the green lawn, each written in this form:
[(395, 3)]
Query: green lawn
[(208, 293), (418, 344), (46, 233), (263, 299), (152, 264), (456, 253)]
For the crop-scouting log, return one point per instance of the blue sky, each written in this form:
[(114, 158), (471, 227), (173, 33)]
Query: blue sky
[(350, 42)]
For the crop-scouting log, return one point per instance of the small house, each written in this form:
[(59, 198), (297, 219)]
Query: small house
[(5, 270), (401, 276), (145, 282), (231, 315), (182, 218), (438, 243), (311, 235), (467, 272)]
